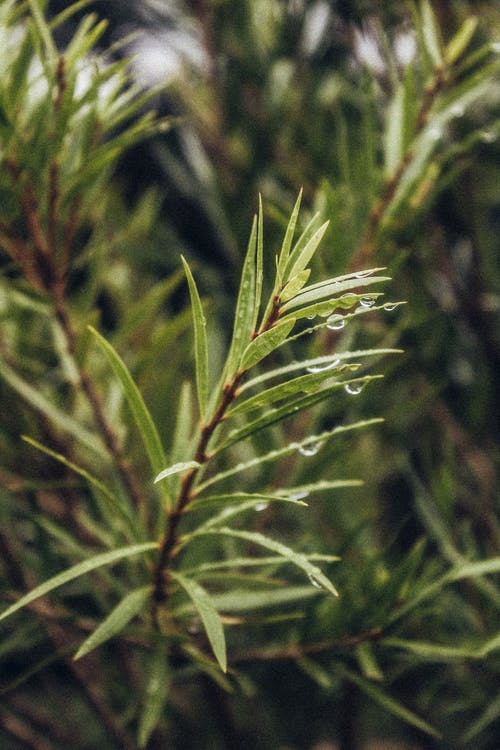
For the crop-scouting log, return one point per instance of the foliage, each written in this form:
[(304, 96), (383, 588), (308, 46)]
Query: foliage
[(156, 546)]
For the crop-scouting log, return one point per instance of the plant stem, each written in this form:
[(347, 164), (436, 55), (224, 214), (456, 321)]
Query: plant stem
[(170, 542)]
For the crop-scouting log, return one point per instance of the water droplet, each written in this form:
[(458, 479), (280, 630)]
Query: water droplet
[(335, 323), (298, 495), (261, 506), (311, 317), (488, 136), (353, 389), (495, 47), (314, 581), (367, 301), (310, 449), (361, 274), (458, 110), (390, 306), (322, 367)]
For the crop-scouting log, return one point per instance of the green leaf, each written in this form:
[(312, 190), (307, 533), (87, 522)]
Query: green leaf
[(367, 661), (275, 455), (250, 562), (389, 704), (266, 343), (200, 341), (288, 238), (394, 132), (44, 32), (431, 35), (140, 412), (209, 616), (293, 407), (307, 253), (323, 361), (301, 243), (155, 695), (459, 43), (332, 288), (245, 600), (176, 469), (259, 270), (117, 620), (241, 497), (245, 307), (304, 384), (295, 285), (435, 652), (114, 502), (36, 400), (76, 571), (323, 485), (315, 575)]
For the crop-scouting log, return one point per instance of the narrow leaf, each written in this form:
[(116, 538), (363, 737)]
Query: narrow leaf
[(275, 455), (288, 238), (389, 704), (331, 288), (242, 497), (265, 343), (209, 616), (307, 253), (315, 575), (76, 571), (175, 469), (155, 694), (245, 307), (459, 43), (246, 600), (295, 285), (293, 407), (200, 341), (116, 621), (259, 268), (301, 243), (430, 31), (250, 562), (394, 132), (140, 412)]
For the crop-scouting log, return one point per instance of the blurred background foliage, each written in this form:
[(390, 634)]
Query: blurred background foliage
[(397, 144)]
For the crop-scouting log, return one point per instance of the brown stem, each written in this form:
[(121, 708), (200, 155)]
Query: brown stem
[(296, 651), (170, 542)]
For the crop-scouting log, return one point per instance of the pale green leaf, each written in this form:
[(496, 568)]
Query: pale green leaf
[(315, 671), (307, 253), (245, 307), (115, 503), (266, 343), (208, 614), (155, 696), (433, 651), (200, 341), (490, 714), (323, 485), (276, 455), (76, 571), (333, 288), (176, 469), (291, 408), (241, 497), (295, 285), (288, 238), (247, 600), (459, 43), (308, 383), (301, 243), (431, 34), (250, 562), (367, 661), (317, 362), (394, 132), (259, 267), (315, 575), (35, 399), (130, 606), (389, 704), (144, 421)]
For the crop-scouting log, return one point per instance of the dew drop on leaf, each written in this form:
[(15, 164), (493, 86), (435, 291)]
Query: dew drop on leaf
[(367, 301), (353, 389), (335, 323), (390, 306), (361, 274), (323, 367), (315, 582), (310, 449), (261, 506)]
